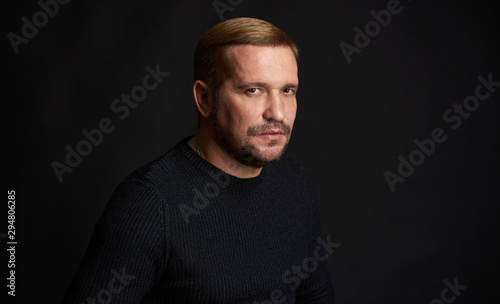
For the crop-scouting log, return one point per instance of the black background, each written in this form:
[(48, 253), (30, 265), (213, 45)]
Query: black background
[(354, 120)]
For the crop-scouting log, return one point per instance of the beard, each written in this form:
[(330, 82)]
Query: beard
[(245, 152)]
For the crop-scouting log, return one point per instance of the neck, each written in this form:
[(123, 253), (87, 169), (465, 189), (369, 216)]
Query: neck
[(212, 152)]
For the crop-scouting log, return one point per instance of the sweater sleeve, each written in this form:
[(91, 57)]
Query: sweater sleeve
[(317, 287), (127, 253)]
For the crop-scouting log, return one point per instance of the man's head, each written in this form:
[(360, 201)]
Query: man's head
[(245, 83)]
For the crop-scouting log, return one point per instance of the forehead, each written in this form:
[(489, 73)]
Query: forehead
[(264, 63)]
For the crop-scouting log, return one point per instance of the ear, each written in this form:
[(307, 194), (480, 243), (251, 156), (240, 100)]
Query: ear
[(203, 97)]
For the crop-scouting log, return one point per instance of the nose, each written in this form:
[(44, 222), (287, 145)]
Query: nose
[(275, 106)]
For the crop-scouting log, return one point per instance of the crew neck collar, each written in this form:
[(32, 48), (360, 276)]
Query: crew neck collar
[(205, 166)]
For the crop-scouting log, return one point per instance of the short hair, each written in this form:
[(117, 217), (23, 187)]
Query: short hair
[(211, 61)]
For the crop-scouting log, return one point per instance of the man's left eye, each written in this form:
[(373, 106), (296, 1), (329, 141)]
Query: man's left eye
[(253, 90)]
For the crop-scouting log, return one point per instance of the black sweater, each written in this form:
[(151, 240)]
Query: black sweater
[(179, 230)]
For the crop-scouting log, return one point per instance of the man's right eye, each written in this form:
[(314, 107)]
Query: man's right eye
[(253, 90)]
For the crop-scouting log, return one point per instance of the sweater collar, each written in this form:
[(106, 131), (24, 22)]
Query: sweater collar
[(203, 165)]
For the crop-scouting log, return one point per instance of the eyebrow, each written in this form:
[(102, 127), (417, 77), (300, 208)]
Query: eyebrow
[(263, 84)]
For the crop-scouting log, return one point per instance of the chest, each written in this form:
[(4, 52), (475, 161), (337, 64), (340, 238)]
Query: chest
[(229, 255)]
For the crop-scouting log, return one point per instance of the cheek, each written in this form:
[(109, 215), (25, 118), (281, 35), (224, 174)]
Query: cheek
[(231, 118), (291, 113)]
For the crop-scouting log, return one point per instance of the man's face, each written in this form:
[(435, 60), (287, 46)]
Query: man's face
[(255, 108)]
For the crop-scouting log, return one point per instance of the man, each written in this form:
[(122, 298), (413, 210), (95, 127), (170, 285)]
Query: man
[(225, 216)]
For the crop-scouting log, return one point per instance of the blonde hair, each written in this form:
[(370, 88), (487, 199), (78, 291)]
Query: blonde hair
[(212, 64)]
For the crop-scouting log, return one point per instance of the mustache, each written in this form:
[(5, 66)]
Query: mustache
[(271, 125)]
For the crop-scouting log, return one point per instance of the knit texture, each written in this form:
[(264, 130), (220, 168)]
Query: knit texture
[(180, 230)]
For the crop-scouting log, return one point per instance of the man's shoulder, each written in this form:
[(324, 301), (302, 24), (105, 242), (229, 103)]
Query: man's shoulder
[(168, 166)]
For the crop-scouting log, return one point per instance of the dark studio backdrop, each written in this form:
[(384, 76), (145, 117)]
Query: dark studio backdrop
[(397, 125)]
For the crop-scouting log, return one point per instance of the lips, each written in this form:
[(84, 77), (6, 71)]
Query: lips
[(271, 135), (272, 132), (273, 128)]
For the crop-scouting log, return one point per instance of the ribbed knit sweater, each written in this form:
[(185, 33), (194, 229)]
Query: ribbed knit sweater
[(180, 230)]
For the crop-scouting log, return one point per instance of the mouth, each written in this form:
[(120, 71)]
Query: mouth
[(271, 135)]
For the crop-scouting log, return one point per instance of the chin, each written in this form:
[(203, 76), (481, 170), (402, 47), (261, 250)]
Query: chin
[(257, 157), (273, 153)]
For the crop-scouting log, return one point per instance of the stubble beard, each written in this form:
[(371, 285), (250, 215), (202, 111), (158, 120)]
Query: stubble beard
[(246, 153)]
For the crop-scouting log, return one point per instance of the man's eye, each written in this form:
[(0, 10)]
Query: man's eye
[(289, 91), (253, 90)]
